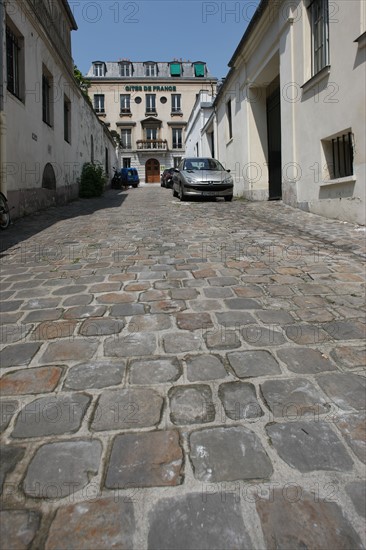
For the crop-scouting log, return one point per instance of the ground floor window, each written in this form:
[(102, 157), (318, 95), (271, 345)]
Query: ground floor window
[(339, 152), (126, 162)]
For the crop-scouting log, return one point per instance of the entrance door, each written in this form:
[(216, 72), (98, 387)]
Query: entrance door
[(274, 145), (152, 171)]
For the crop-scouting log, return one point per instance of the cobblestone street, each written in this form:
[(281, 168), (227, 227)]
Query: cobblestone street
[(182, 375)]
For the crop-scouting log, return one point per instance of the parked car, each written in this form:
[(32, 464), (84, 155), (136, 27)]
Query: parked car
[(202, 177), (166, 179), (130, 176)]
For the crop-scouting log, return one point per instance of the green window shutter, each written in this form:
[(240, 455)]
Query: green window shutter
[(199, 69), (175, 69)]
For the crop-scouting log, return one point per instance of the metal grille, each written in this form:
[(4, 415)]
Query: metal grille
[(12, 62), (342, 153)]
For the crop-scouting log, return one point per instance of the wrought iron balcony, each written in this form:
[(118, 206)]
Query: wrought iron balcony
[(152, 144)]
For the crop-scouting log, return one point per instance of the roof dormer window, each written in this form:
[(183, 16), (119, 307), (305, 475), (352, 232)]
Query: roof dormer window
[(151, 68), (175, 68), (125, 68), (199, 68), (99, 68)]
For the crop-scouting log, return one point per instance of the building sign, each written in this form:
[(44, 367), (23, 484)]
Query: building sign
[(151, 88)]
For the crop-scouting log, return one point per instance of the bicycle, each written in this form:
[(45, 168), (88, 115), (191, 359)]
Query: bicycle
[(4, 212)]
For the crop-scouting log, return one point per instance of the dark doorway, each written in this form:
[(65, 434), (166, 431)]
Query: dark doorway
[(274, 144)]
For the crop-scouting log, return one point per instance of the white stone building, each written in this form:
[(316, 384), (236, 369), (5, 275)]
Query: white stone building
[(289, 119), (48, 128), (148, 104), (198, 142)]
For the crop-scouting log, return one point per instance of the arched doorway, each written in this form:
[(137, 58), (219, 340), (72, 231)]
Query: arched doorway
[(49, 177), (152, 171)]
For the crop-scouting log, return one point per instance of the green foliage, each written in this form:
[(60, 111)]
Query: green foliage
[(116, 137), (82, 82), (91, 181)]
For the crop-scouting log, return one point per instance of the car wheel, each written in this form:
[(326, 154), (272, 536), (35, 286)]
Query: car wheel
[(228, 198), (175, 194), (181, 194), (162, 184)]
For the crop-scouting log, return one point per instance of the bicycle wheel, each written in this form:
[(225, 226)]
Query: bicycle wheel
[(4, 212)]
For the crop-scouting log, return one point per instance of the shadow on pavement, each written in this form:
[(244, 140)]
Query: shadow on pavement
[(28, 226)]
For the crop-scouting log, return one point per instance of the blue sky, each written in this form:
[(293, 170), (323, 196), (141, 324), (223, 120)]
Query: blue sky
[(159, 30)]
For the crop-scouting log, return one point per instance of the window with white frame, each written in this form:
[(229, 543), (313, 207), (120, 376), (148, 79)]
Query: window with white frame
[(319, 21), (125, 102), (99, 103), (177, 138), (126, 135), (151, 133), (151, 103), (14, 62), (125, 69), (150, 69), (176, 103), (98, 69)]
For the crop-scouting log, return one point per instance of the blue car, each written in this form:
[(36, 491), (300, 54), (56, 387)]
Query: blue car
[(130, 176)]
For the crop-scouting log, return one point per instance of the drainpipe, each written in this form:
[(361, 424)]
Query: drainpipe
[(3, 186)]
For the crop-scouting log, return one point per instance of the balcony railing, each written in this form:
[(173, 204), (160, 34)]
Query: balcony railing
[(149, 144)]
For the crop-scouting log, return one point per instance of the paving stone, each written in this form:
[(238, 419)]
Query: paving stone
[(206, 305), (217, 292), (8, 408), (345, 330), (194, 321), (97, 373), (51, 415), (315, 315), (262, 336), (11, 333), (97, 524), (184, 294), (305, 360), (105, 287), (302, 522), (18, 354), (357, 493), (191, 404), (10, 456), (248, 364), (18, 528), (293, 398), (242, 303), (222, 338), (101, 326), (65, 350), (347, 391), (40, 315), (177, 342), (353, 428), (349, 357), (309, 446), (127, 409), (49, 330), (166, 285), (69, 289), (154, 296), (240, 401), (275, 317), (10, 318), (248, 291), (167, 306), (82, 312), (10, 305), (280, 290), (205, 367), (29, 381), (78, 300), (126, 310), (157, 370), (197, 522), (228, 454), (61, 469), (116, 298), (150, 459), (234, 318), (150, 322), (204, 273), (137, 287), (306, 334), (130, 345), (223, 281)]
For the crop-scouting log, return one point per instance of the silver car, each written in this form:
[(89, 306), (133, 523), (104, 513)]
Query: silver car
[(202, 177)]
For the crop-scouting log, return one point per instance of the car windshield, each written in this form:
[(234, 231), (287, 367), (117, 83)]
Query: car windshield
[(202, 164)]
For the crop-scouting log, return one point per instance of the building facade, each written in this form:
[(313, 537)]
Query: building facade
[(289, 119), (48, 127), (146, 105), (198, 142)]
